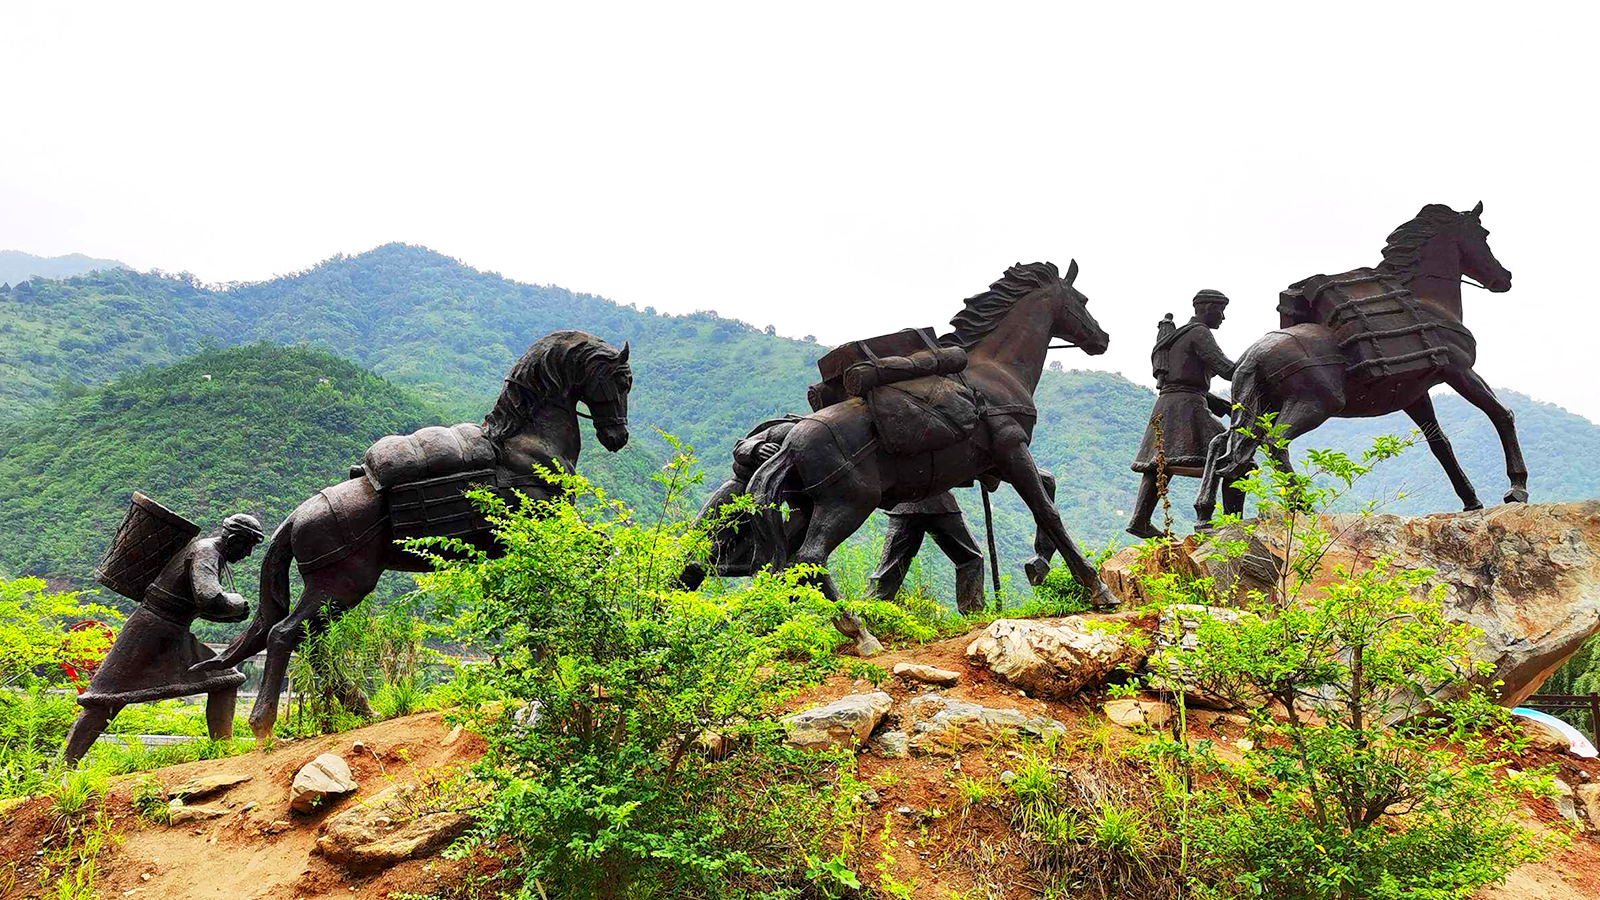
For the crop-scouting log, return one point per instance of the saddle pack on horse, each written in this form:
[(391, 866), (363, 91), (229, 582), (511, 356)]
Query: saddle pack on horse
[(424, 476), (1381, 327), (906, 380)]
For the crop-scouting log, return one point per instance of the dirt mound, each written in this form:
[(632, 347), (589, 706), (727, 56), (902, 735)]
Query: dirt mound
[(259, 850)]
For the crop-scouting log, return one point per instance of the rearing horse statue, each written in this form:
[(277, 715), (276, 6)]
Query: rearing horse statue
[(344, 538), (833, 462), (1334, 358)]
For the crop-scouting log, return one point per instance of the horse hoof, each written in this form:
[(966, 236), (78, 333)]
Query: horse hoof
[(1143, 531), (1517, 495), (262, 731), (1036, 570), (1102, 598), (1474, 506)]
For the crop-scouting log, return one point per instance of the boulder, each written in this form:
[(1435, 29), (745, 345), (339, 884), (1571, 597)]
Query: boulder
[(183, 814), (1196, 557), (1542, 737), (1130, 713), (845, 722), (319, 782), (893, 744), (926, 674), (208, 785), (1526, 575), (1565, 802), (1057, 658), (1178, 630), (942, 725), (1588, 800), (387, 830)]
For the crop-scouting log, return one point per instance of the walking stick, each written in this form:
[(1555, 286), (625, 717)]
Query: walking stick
[(994, 557)]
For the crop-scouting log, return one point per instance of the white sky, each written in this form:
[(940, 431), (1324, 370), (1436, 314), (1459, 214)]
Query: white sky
[(832, 169)]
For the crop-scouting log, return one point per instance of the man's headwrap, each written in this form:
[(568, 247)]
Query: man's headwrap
[(243, 524), (1208, 297)]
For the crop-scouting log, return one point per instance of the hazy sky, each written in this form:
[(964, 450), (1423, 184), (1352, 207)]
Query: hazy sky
[(831, 169)]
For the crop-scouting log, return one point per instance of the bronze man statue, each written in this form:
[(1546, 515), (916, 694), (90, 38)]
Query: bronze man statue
[(909, 524), (1183, 422), (152, 655)]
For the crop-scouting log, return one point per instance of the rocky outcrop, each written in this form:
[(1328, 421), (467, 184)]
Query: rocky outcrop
[(1057, 658), (942, 725), (319, 782), (389, 829), (1526, 575), (845, 722), (208, 786), (926, 674), (1130, 713)]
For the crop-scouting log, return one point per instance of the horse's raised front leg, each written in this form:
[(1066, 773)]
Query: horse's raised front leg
[(1421, 412), (1016, 465), (1471, 386)]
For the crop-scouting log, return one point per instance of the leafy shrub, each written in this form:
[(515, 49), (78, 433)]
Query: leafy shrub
[(607, 789), (1386, 791)]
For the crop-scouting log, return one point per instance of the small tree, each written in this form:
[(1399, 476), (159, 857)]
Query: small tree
[(614, 779), (1381, 778)]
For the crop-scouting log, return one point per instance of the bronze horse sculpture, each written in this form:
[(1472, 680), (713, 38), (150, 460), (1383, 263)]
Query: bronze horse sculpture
[(1309, 371), (833, 467), (343, 537)]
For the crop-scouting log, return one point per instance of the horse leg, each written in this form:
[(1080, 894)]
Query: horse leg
[(1471, 386), (345, 690), (1017, 467), (1421, 412), (1038, 566), (1221, 456), (829, 527)]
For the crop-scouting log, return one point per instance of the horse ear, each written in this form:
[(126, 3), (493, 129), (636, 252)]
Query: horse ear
[(623, 356), (1072, 272), (1477, 211)]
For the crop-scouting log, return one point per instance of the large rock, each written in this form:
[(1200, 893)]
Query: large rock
[(845, 722), (1588, 797), (387, 830), (942, 725), (319, 782), (1178, 629), (208, 785), (926, 674), (1133, 713), (1258, 569), (1526, 575), (1057, 658)]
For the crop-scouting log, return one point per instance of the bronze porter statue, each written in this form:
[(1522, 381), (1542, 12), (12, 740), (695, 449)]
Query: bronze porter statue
[(154, 652), (1183, 422), (411, 486), (1373, 341)]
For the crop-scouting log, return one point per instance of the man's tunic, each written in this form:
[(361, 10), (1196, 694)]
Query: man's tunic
[(152, 655), (1183, 408)]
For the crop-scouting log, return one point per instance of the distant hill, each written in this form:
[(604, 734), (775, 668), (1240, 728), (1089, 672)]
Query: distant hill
[(251, 429), (447, 334), (17, 266)]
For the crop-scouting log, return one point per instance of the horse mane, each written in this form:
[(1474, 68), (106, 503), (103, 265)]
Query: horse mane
[(1403, 252), (554, 365), (984, 311)]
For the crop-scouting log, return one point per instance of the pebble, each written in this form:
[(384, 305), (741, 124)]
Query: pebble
[(904, 810), (1007, 776)]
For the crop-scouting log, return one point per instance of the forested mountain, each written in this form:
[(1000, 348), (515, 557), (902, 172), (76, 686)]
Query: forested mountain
[(251, 429), (442, 335), (17, 266)]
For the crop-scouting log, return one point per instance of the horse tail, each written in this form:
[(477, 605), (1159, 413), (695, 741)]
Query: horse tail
[(766, 487), (273, 606)]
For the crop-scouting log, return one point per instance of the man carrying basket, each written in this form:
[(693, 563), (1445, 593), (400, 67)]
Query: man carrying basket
[(151, 657)]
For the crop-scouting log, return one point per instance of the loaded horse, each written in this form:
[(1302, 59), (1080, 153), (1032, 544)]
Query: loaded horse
[(1369, 342), (409, 486), (917, 438)]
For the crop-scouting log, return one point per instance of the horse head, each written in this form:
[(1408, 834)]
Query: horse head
[(1073, 323), (605, 392), (1477, 260)]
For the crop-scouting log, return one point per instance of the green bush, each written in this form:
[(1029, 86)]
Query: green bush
[(1385, 790), (608, 788)]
